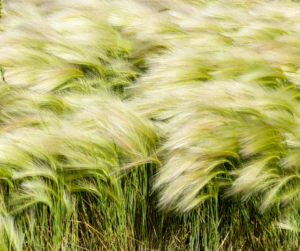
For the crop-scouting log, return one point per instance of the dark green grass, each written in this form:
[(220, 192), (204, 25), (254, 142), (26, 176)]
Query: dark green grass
[(100, 224)]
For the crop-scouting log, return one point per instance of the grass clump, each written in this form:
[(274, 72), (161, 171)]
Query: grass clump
[(149, 125)]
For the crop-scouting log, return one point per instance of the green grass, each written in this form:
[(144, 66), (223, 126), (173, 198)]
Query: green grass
[(149, 125)]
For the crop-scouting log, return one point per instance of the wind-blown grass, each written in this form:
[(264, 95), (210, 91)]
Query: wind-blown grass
[(118, 116), (226, 97)]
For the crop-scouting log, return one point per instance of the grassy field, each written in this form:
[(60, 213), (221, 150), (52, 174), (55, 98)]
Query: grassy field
[(149, 125)]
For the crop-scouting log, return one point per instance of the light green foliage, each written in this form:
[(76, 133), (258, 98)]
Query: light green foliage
[(99, 97), (64, 129), (226, 97)]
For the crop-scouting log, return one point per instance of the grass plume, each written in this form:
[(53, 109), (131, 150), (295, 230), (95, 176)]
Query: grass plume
[(149, 125)]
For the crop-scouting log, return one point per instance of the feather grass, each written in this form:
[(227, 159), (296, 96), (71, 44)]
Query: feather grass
[(99, 97)]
